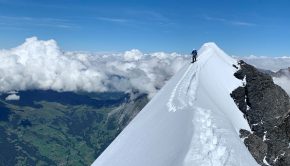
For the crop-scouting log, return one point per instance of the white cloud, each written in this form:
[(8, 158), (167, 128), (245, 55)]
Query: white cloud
[(228, 21), (12, 97), (268, 63), (38, 64), (283, 82), (115, 20), (22, 21), (133, 55)]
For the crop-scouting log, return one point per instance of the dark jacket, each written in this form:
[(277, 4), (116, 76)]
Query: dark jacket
[(194, 53)]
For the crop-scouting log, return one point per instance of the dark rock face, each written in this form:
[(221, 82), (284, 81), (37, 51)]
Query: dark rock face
[(239, 96), (266, 107), (255, 144)]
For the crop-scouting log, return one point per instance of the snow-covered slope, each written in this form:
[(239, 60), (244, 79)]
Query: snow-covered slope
[(191, 121)]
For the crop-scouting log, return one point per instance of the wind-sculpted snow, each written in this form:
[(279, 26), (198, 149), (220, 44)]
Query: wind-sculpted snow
[(191, 121), (184, 89), (38, 64)]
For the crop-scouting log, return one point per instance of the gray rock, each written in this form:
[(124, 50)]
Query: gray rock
[(283, 158), (255, 144), (266, 107), (239, 96)]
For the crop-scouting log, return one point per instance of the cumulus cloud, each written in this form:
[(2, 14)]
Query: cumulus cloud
[(133, 55), (38, 64), (12, 97)]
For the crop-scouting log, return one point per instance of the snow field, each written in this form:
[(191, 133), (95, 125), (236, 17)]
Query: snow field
[(192, 121), (184, 94), (212, 153)]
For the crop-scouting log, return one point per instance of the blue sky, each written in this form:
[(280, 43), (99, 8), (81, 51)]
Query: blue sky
[(240, 27)]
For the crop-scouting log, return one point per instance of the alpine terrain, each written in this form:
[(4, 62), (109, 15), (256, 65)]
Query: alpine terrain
[(216, 111), (191, 121)]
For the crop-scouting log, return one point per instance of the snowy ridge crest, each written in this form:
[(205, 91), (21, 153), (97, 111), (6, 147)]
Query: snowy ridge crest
[(191, 121), (183, 94)]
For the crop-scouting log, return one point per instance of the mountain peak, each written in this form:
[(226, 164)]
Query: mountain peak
[(209, 45), (192, 120)]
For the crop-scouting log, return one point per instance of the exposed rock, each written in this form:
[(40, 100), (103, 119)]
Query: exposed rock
[(255, 144), (283, 158), (239, 96), (266, 107), (239, 74)]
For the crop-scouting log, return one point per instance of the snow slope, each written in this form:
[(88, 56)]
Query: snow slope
[(192, 121)]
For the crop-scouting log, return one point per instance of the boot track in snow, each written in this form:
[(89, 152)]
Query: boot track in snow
[(191, 121)]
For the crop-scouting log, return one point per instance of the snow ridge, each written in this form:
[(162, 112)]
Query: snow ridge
[(191, 121), (213, 152), (205, 130), (180, 96), (183, 94)]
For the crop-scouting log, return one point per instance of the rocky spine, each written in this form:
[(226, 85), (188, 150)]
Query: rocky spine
[(266, 106)]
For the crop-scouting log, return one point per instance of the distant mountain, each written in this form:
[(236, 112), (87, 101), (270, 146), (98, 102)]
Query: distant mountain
[(282, 72), (45, 127)]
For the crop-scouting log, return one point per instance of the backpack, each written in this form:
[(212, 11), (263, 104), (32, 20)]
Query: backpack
[(194, 52)]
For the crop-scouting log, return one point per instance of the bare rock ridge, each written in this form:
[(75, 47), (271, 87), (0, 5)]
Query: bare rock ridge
[(266, 106)]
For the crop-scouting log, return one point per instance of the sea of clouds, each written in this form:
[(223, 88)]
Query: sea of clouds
[(268, 63), (38, 64)]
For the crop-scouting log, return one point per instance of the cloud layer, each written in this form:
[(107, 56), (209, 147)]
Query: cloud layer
[(282, 78), (38, 64), (268, 63), (283, 82)]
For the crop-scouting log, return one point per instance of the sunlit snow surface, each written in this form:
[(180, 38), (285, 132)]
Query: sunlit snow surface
[(192, 121)]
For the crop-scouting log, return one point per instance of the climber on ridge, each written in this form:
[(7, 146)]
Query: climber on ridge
[(194, 55)]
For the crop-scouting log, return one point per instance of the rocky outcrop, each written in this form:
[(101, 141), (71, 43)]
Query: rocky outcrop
[(266, 107), (255, 144)]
